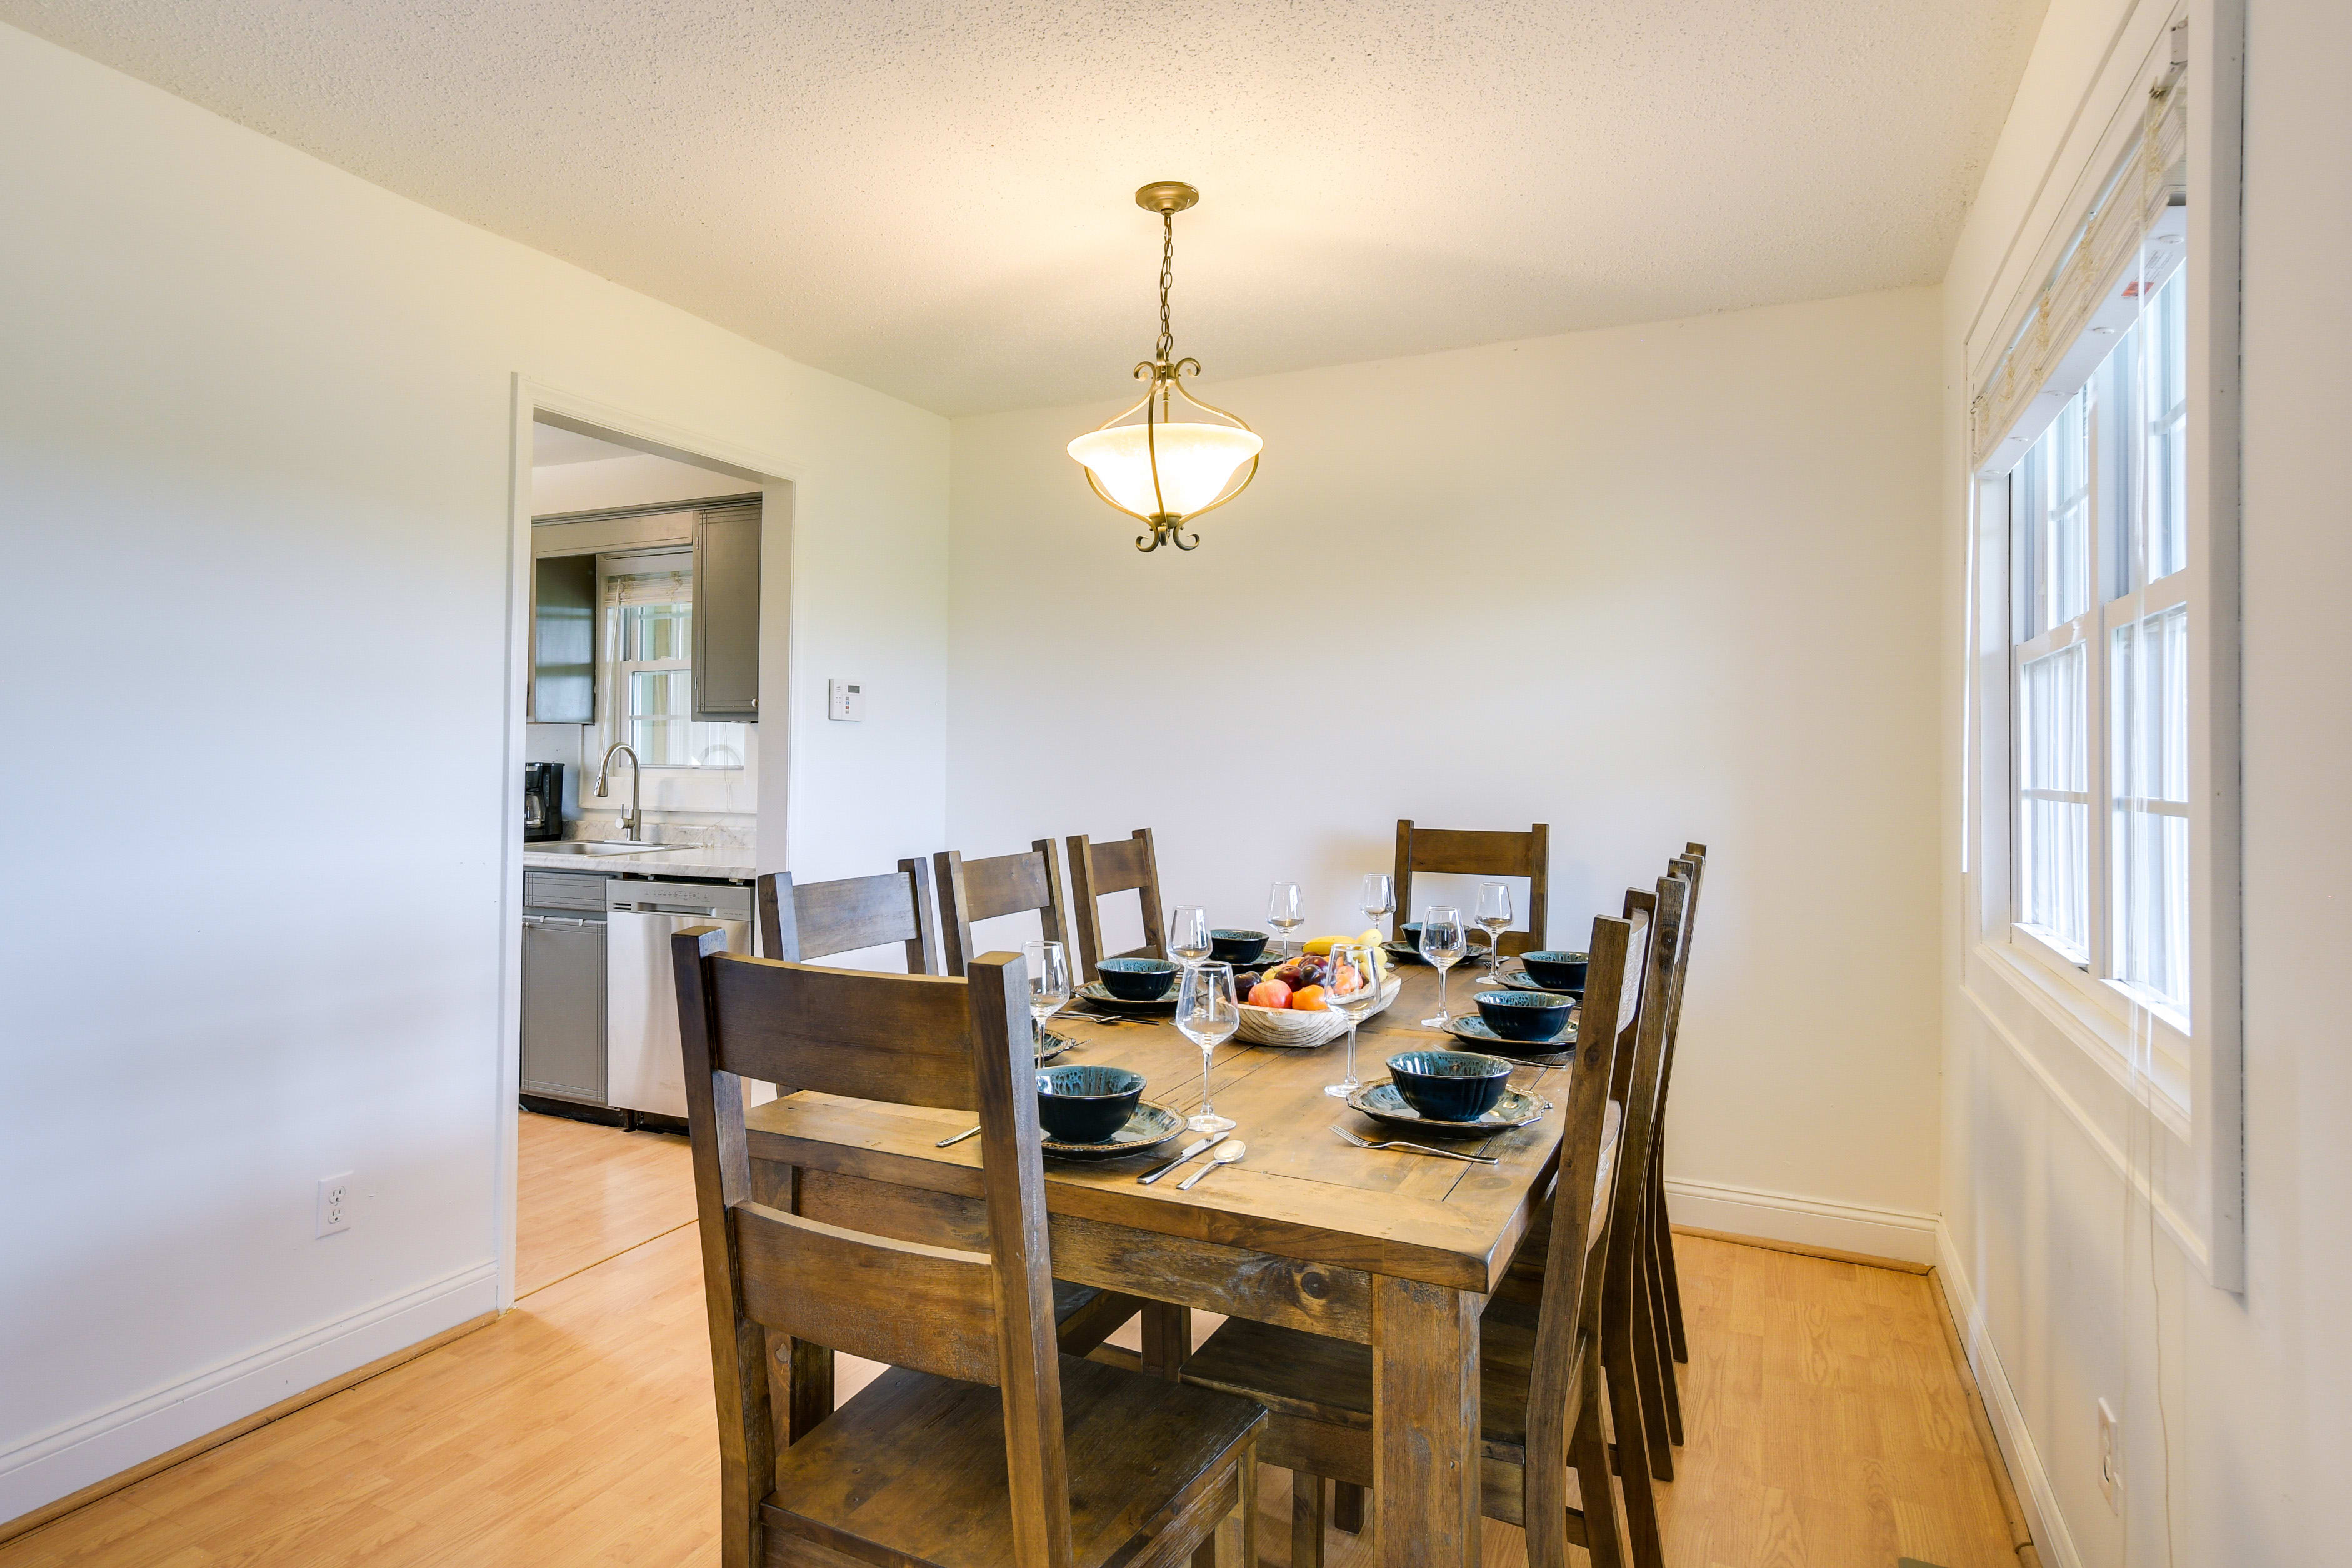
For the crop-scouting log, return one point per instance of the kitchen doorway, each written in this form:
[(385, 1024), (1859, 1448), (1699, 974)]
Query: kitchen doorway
[(649, 613)]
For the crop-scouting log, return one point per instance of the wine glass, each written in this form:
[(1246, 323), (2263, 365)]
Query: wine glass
[(1351, 989), (1378, 897), (1207, 1013), (1187, 934), (1283, 911), (1495, 915), (1049, 985), (1443, 940)]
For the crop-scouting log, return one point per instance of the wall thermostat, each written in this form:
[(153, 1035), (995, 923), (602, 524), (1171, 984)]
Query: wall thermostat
[(844, 700)]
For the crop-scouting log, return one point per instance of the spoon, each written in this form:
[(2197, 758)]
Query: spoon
[(1225, 1155)]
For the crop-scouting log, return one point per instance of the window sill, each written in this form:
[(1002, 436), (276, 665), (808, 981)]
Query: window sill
[(2156, 1079)]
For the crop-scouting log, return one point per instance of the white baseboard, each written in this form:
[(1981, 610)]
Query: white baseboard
[(1808, 1221), (60, 1462), (2048, 1526)]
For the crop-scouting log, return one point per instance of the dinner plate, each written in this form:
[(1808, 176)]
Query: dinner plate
[(1149, 1127), (1470, 1026), (1382, 1104), (1406, 953), (1097, 992), (1055, 1045)]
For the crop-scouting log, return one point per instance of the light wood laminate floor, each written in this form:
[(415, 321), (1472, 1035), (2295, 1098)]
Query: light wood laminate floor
[(1827, 1424)]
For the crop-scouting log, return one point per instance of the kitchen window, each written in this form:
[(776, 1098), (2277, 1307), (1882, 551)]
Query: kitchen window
[(648, 636)]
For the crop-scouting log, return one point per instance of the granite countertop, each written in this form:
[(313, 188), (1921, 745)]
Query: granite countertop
[(680, 860)]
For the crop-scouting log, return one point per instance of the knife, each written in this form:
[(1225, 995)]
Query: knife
[(1156, 1172)]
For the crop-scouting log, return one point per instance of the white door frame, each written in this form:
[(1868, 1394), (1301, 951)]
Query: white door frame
[(779, 478)]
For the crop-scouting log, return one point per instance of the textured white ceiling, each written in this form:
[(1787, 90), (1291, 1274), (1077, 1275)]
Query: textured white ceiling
[(934, 197)]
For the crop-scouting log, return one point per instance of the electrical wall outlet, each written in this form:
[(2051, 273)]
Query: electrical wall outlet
[(844, 700), (334, 1203), (2110, 1455)]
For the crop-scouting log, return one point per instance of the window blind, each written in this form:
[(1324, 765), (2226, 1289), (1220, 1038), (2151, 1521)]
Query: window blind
[(666, 577), (2149, 177)]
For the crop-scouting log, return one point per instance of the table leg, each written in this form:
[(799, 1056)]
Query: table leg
[(1167, 1339), (1425, 1492)]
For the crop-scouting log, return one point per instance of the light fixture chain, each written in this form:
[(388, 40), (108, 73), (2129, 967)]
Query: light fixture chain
[(1167, 272)]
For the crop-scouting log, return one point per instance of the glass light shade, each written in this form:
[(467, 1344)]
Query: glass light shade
[(1196, 463)]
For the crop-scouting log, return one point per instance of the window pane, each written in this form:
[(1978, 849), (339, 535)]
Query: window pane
[(2166, 324), (2150, 810), (662, 726), (652, 633), (2055, 804), (2068, 567)]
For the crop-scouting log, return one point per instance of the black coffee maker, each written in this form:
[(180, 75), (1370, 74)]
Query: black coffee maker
[(543, 802)]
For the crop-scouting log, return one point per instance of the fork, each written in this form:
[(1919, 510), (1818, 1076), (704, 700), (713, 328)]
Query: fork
[(1417, 1149)]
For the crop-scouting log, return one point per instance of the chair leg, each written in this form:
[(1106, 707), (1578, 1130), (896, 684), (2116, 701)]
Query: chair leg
[(1587, 1449), (1662, 1236), (1646, 1549), (1651, 1367), (1307, 1516), (1661, 1338), (1347, 1506), (1249, 1508)]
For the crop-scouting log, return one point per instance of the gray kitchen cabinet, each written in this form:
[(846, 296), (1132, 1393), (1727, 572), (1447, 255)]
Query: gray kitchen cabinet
[(564, 1007), (563, 640), (727, 614)]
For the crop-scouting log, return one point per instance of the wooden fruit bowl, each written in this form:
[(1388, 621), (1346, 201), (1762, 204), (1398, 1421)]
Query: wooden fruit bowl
[(1298, 1030)]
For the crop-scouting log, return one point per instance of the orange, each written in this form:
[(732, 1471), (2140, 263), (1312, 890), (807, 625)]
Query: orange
[(1307, 999)]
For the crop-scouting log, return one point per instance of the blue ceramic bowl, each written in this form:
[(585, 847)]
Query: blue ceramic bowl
[(1137, 979), (1236, 946), (1561, 971), (1450, 1085), (1086, 1103), (1525, 1015)]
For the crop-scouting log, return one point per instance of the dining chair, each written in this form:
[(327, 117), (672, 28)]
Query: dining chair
[(983, 1444), (806, 920), (1547, 1404), (1449, 851), (1098, 871), (973, 891), (1692, 866)]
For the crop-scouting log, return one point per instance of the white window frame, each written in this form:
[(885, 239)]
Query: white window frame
[(2187, 1072), (2149, 1031)]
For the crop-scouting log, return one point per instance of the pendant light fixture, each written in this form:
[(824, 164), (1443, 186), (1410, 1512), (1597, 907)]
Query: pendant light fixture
[(1171, 467)]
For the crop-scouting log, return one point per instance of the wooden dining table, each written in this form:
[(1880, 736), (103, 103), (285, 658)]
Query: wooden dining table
[(1396, 1250)]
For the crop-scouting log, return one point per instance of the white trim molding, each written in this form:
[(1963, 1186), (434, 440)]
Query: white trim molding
[(65, 1460), (1898, 1233), (2043, 1521)]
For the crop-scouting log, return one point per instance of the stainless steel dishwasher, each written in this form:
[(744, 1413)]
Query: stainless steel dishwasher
[(563, 986), (647, 1071)]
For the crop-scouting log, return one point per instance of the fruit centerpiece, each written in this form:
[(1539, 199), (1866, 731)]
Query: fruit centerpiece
[(1288, 1001)]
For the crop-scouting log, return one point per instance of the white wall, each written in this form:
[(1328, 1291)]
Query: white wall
[(1648, 585), (2078, 1296), (255, 473)]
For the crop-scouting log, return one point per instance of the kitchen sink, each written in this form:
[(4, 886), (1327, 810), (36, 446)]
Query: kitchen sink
[(595, 847)]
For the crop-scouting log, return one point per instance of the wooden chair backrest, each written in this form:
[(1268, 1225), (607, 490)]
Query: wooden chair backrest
[(822, 918), (1098, 871), (984, 1317), (1449, 852), (1636, 1140), (973, 891), (1572, 1274)]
